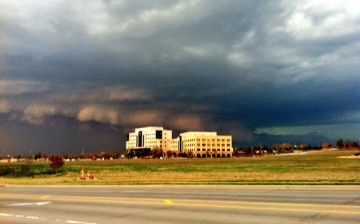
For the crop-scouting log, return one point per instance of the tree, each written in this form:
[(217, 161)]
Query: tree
[(351, 144), (26, 168), (56, 163), (304, 146), (326, 146), (340, 143), (170, 154), (105, 155), (157, 152), (284, 147), (38, 156)]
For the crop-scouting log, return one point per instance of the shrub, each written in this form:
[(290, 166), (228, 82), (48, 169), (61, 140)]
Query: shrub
[(56, 163)]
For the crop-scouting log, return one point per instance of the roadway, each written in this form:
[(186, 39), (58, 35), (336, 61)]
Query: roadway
[(179, 204)]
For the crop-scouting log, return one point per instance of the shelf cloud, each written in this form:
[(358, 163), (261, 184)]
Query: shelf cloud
[(77, 74)]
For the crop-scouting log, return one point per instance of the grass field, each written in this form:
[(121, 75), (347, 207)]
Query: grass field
[(325, 167)]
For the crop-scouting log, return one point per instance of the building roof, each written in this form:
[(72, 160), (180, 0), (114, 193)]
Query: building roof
[(198, 133)]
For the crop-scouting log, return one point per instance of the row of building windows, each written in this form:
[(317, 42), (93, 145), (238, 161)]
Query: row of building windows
[(209, 150), (209, 140), (189, 145), (217, 155)]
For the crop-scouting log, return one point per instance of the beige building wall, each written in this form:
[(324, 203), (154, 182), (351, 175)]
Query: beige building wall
[(165, 144), (174, 144), (131, 143), (207, 144)]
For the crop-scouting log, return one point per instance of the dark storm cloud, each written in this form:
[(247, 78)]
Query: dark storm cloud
[(248, 68)]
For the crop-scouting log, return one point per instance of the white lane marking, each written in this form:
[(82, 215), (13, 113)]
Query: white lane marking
[(6, 215), (42, 203), (43, 219), (79, 222), (32, 217), (31, 204)]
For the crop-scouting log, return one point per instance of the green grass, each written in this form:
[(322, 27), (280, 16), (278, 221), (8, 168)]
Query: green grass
[(280, 164), (313, 168)]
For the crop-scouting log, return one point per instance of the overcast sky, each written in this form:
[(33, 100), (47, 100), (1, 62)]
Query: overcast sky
[(78, 74)]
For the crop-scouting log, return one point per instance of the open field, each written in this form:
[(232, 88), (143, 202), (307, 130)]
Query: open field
[(324, 167)]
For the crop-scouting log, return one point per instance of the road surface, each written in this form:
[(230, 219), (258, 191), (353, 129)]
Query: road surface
[(179, 204)]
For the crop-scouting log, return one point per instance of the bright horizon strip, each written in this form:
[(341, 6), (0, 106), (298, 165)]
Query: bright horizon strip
[(331, 130)]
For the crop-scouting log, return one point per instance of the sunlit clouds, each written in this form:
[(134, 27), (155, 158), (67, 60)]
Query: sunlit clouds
[(20, 87)]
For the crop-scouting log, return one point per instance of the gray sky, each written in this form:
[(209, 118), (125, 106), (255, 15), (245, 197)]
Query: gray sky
[(80, 74)]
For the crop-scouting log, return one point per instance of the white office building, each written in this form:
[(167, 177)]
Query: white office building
[(149, 137), (194, 143)]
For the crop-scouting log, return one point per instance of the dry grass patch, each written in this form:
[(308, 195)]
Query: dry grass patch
[(316, 167)]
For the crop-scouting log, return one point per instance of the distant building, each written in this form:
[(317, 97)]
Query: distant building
[(205, 144), (149, 137), (194, 143)]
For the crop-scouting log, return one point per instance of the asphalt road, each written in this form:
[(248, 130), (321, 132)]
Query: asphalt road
[(179, 204)]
